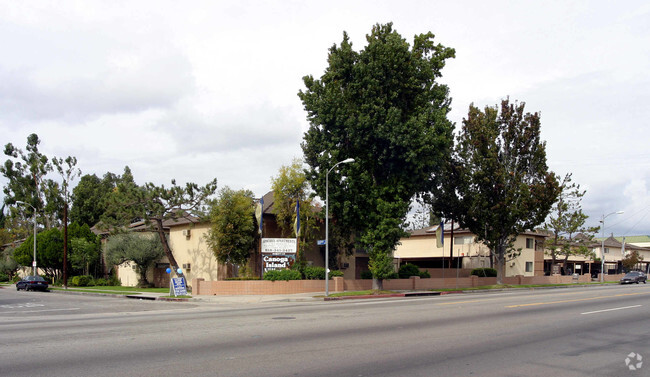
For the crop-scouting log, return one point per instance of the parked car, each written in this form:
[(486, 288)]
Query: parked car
[(634, 277), (30, 283)]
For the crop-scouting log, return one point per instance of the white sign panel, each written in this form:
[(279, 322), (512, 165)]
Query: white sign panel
[(279, 245), (278, 253)]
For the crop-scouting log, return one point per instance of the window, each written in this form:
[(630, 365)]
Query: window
[(529, 266), (606, 252), (530, 243), (463, 240)]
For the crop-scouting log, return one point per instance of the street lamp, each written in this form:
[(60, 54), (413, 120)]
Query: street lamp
[(327, 217), (602, 247), (34, 216)]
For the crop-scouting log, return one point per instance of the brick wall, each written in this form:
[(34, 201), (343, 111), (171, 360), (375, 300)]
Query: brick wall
[(338, 284)]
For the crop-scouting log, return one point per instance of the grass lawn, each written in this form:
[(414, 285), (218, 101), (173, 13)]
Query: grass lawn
[(113, 289)]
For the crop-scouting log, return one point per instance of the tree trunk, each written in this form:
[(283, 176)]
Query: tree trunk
[(377, 284), (500, 259), (166, 248)]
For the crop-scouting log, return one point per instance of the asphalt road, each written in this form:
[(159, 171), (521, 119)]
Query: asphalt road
[(562, 332)]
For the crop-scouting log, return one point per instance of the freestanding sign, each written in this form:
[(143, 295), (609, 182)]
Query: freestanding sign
[(278, 253), (179, 286)]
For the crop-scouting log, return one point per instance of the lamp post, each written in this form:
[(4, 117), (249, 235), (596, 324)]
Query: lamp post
[(602, 247), (34, 216), (327, 217)]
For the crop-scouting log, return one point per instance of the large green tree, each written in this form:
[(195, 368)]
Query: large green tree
[(154, 204), (566, 224), (8, 265), (232, 234), (384, 107), (49, 252), (25, 172), (500, 185), (90, 195), (143, 249)]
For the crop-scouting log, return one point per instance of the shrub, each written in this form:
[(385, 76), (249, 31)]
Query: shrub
[(336, 273), (425, 274), (485, 272), (365, 274), (16, 279), (287, 275), (240, 278), (314, 273), (4, 277), (407, 270), (81, 281), (100, 282), (393, 275)]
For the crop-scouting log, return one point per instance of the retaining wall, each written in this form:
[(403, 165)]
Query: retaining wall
[(338, 284)]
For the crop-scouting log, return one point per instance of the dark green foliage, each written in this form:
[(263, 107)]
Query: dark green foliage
[(155, 204), (4, 277), (232, 234), (142, 249), (81, 281), (336, 273), (89, 197), (287, 275), (8, 266), (24, 172), (383, 107), (484, 272), (49, 252), (407, 270), (314, 273), (318, 273), (498, 184), (112, 281), (366, 275)]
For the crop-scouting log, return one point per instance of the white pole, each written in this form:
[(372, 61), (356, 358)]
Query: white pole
[(34, 218), (602, 249)]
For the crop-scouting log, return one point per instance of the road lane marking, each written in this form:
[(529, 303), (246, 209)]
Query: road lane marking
[(612, 309), (575, 300), (50, 310)]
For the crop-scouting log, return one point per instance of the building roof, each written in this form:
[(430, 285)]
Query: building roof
[(629, 239), (431, 231), (612, 242)]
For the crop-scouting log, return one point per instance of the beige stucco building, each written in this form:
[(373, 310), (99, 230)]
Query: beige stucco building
[(465, 254)]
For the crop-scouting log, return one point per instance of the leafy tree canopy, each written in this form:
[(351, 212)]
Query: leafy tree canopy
[(384, 107), (566, 224), (89, 197), (631, 260), (49, 252), (25, 173), (143, 249), (154, 204), (499, 185), (232, 234)]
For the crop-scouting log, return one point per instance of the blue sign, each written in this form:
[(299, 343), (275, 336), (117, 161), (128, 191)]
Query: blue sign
[(320, 242), (179, 286)]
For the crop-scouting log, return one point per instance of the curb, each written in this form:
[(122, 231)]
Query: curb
[(387, 295)]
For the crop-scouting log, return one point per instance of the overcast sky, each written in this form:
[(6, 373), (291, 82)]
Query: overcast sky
[(201, 90)]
